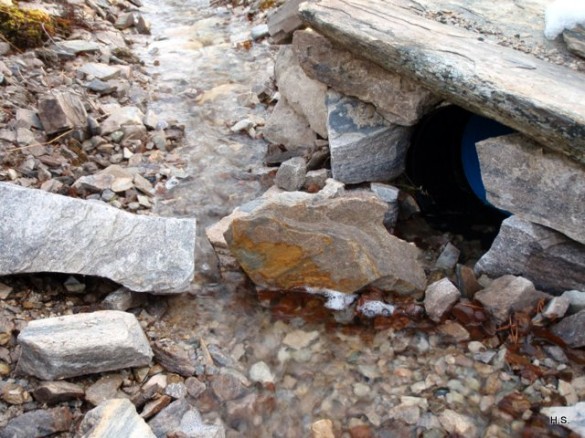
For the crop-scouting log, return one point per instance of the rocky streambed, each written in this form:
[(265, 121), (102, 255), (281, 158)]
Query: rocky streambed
[(353, 317)]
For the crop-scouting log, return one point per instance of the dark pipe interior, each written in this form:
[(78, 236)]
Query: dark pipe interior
[(436, 168)]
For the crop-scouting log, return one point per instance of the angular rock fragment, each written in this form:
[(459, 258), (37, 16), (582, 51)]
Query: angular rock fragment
[(388, 194), (291, 174), (103, 72), (507, 294), (125, 116), (56, 392), (104, 389), (177, 358), (38, 423), (43, 232), (575, 40), (439, 298), (546, 257), (364, 146), (576, 300), (543, 187), (396, 98), (284, 21), (571, 329), (295, 240), (181, 419), (307, 96), (85, 343), (77, 46), (114, 418), (62, 111)]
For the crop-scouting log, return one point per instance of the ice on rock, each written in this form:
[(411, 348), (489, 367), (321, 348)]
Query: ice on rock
[(371, 309), (561, 15), (335, 300)]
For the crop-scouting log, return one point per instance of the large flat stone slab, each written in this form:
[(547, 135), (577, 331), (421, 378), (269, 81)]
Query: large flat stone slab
[(364, 146), (43, 232), (295, 240), (85, 343), (541, 186), (397, 98), (553, 262)]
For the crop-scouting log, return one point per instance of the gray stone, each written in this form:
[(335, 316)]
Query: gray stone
[(284, 21), (553, 262), (128, 115), (43, 232), (259, 31), (103, 72), (576, 300), (556, 308), (575, 40), (440, 297), (543, 187), (295, 239), (142, 25), (61, 112), (571, 329), (104, 389), (448, 257), (114, 418), (396, 98), (85, 343), (316, 179), (123, 299), (176, 390), (388, 194), (364, 146), (288, 128), (38, 423), (56, 392), (227, 386), (125, 20), (100, 87), (458, 424), (507, 294), (574, 416), (175, 357), (291, 174), (77, 46), (195, 387), (184, 420), (307, 96)]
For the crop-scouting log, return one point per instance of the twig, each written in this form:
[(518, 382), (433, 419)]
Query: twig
[(41, 144)]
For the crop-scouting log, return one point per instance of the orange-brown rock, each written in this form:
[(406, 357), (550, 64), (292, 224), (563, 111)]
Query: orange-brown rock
[(341, 244)]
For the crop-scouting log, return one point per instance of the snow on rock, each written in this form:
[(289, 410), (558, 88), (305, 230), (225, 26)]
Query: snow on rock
[(561, 15)]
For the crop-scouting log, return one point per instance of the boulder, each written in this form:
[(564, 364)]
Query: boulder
[(553, 262), (114, 418), (439, 298), (396, 98), (299, 240), (307, 96), (285, 127), (85, 343), (61, 112), (44, 232), (543, 187), (364, 146), (507, 294)]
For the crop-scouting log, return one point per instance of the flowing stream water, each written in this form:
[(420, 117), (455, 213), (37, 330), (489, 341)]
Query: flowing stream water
[(324, 364)]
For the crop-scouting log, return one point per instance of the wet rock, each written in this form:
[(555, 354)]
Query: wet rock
[(114, 418), (291, 130), (322, 429), (85, 343), (177, 358), (305, 95), (570, 329), (103, 72), (576, 300), (550, 260), (364, 146), (547, 190), (439, 298), (575, 40), (296, 240), (38, 423), (398, 99), (284, 21), (388, 194), (573, 415), (104, 389), (182, 419), (43, 232), (455, 423), (62, 111), (509, 293), (291, 174), (56, 392)]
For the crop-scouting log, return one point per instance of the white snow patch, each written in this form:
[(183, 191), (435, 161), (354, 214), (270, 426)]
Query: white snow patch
[(561, 15), (371, 309), (335, 300)]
